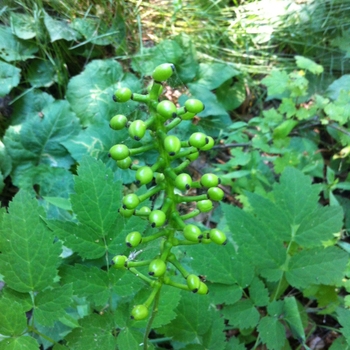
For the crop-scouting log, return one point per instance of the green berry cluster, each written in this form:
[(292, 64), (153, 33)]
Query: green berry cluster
[(166, 175)]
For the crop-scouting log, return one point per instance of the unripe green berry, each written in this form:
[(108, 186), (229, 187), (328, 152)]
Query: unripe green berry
[(124, 163), (122, 95), (118, 261), (133, 239), (127, 213), (137, 130), (163, 72), (198, 140), (183, 182), (118, 122), (193, 156), (157, 218), (167, 109), (157, 268), (144, 175), (160, 178), (139, 312), (119, 152), (194, 106), (130, 201), (203, 289), (209, 145), (209, 180), (172, 145), (193, 283), (145, 211), (217, 236), (192, 233), (215, 194), (205, 205)]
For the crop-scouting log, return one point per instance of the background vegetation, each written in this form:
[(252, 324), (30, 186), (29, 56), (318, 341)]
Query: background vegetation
[(274, 76)]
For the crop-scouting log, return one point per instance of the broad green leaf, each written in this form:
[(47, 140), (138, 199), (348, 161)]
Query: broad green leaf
[(287, 107), (221, 265), (339, 85), (9, 77), (272, 333), (258, 292), (30, 106), (212, 75), (256, 242), (95, 331), (293, 318), (41, 73), (129, 338), (215, 338), (89, 282), (169, 300), (339, 344), (193, 319), (59, 29), (230, 95), (235, 344), (306, 63), (23, 25), (276, 82), (224, 294), (19, 343), (29, 256), (63, 203), (14, 49), (242, 315), (90, 93), (38, 140), (317, 266), (13, 320), (50, 305), (344, 320)]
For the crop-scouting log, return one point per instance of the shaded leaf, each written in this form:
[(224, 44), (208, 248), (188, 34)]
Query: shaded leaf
[(9, 77)]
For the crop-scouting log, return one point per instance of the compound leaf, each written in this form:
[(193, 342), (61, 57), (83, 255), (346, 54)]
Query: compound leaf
[(29, 256)]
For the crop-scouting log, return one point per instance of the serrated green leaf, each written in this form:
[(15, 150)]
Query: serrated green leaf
[(38, 140), (276, 82), (9, 77), (95, 331), (59, 29), (255, 242), (258, 292), (342, 84), (14, 49), (169, 300), (306, 63), (275, 308), (50, 305), (317, 266), (27, 266), (63, 203), (129, 338), (293, 318), (340, 344), (235, 344), (23, 25), (242, 315), (272, 333), (344, 320), (287, 107), (193, 319), (24, 299), (225, 294), (90, 93), (221, 265), (215, 338), (19, 343), (13, 321)]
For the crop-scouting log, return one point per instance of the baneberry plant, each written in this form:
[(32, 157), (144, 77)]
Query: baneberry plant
[(167, 175)]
